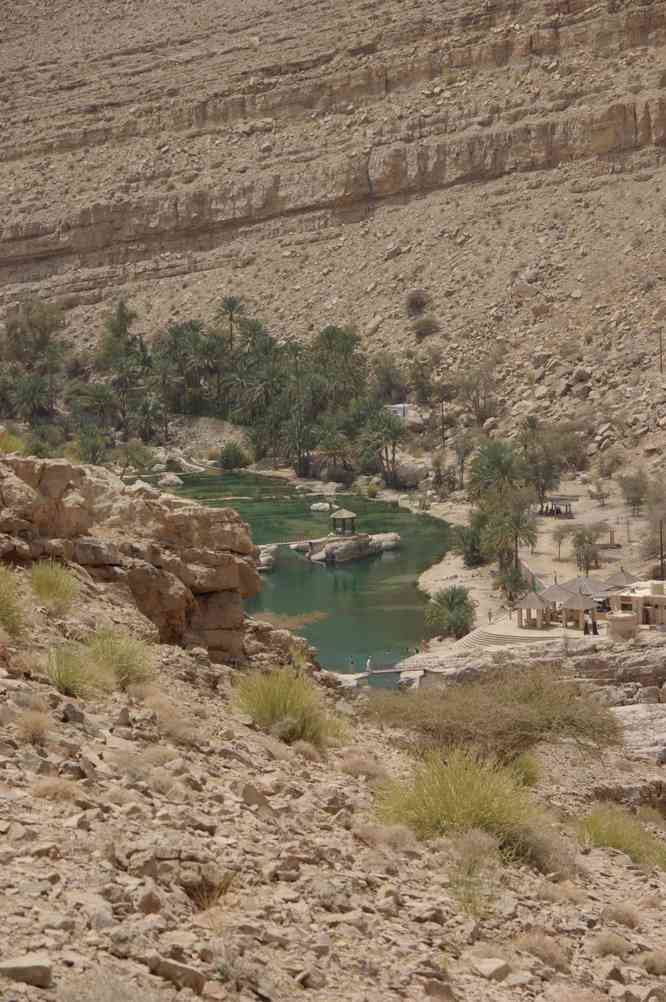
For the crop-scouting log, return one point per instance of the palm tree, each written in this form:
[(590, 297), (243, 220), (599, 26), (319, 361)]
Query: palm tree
[(451, 611), (231, 307), (31, 397), (510, 524), (493, 466)]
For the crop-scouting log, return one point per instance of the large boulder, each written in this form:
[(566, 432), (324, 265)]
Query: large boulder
[(163, 598), (410, 472)]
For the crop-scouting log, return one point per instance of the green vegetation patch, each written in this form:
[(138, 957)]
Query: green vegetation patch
[(500, 715)]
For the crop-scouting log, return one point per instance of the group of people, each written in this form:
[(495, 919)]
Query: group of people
[(553, 510), (590, 626)]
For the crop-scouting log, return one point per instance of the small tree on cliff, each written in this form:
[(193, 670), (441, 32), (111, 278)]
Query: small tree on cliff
[(560, 533)]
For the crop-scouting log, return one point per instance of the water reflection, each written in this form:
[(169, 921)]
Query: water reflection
[(371, 607)]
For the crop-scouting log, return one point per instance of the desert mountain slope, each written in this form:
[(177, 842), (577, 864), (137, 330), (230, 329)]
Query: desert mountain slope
[(320, 159)]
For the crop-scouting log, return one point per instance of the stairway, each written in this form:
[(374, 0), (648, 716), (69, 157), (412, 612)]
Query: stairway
[(483, 639)]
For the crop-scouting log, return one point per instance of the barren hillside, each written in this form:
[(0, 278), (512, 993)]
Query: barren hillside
[(320, 159), (161, 839)]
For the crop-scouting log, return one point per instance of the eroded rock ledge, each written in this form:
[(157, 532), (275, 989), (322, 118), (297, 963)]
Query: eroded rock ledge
[(188, 567)]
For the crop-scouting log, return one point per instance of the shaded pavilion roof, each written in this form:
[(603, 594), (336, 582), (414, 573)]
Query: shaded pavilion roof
[(532, 601), (620, 578)]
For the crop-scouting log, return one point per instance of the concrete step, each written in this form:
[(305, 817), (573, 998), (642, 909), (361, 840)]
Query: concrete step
[(484, 639)]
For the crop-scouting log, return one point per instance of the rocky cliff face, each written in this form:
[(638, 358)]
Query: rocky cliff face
[(508, 158), (187, 567)]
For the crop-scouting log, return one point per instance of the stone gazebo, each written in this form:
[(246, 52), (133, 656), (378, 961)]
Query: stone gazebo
[(343, 522)]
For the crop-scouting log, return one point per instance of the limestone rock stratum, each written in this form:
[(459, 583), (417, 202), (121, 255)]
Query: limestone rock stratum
[(188, 567), (507, 158)]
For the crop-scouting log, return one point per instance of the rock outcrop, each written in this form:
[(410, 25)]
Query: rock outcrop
[(188, 567), (342, 549)]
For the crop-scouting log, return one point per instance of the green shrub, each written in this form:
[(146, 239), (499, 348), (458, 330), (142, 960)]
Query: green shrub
[(416, 302), (71, 672), (91, 445), (612, 826), (127, 659), (232, 457), (451, 611), (425, 326), (54, 585), (133, 455), (9, 442), (463, 792), (287, 705), (501, 715), (11, 616), (372, 491)]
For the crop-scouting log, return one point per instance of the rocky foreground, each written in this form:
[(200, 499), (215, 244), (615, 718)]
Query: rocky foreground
[(156, 845), (138, 860)]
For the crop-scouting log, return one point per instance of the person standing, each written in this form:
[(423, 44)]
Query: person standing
[(587, 624), (368, 665)]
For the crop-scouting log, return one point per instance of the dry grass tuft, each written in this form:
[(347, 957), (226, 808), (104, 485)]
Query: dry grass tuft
[(173, 726), (356, 763), (396, 837), (526, 768), (608, 825), (286, 704), (54, 585), (462, 792), (137, 766), (547, 949), (161, 781), (11, 615), (499, 715), (654, 962), (559, 893), (208, 894), (128, 659), (474, 871), (623, 914), (307, 751), (55, 788), (652, 816), (71, 672), (33, 726), (608, 944)]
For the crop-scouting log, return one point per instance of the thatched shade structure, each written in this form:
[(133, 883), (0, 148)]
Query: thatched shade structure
[(555, 593), (532, 602), (584, 585), (577, 603), (620, 579)]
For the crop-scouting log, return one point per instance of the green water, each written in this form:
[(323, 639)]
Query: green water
[(368, 607)]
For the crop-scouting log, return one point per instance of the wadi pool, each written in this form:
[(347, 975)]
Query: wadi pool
[(369, 607)]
